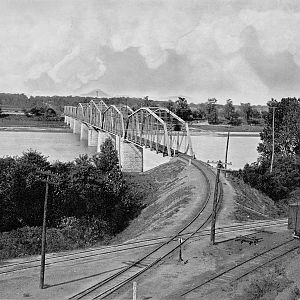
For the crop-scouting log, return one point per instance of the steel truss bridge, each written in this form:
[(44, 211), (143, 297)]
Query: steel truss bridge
[(156, 128)]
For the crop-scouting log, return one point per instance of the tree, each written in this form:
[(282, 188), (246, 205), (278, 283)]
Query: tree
[(171, 106), (285, 177), (108, 157), (182, 109), (286, 129), (198, 114), (230, 114), (246, 111), (211, 111), (229, 110)]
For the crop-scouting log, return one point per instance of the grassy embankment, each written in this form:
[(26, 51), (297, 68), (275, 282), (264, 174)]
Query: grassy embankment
[(252, 204)]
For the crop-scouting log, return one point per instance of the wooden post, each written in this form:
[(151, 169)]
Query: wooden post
[(180, 251), (44, 229), (134, 291), (214, 212), (43, 254), (226, 153)]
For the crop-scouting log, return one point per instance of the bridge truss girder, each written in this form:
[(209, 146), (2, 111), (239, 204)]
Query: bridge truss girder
[(145, 128), (178, 131), (155, 127), (83, 112), (96, 110), (113, 121)]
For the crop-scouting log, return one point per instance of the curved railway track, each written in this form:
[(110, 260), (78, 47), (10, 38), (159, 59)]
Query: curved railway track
[(89, 255), (166, 246), (113, 283), (247, 266)]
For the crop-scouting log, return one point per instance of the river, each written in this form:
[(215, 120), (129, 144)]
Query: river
[(65, 146)]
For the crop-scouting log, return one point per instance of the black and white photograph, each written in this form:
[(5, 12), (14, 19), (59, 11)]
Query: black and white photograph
[(150, 149)]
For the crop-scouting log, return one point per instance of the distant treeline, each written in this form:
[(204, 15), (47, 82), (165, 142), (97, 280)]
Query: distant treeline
[(212, 111)]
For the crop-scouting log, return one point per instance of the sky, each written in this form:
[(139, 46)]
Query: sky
[(245, 50)]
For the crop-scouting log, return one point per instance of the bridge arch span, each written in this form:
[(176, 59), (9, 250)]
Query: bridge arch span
[(146, 128), (113, 121), (178, 131)]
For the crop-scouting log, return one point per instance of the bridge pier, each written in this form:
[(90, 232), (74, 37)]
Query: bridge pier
[(67, 120), (83, 132), (77, 126), (92, 137), (71, 123)]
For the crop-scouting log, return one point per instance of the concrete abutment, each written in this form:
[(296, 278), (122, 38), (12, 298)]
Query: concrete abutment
[(83, 132)]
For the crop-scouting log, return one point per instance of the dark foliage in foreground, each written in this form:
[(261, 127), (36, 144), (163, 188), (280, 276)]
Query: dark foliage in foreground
[(87, 190)]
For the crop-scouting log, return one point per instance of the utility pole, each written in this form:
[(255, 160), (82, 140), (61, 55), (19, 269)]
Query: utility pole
[(215, 202), (226, 153), (273, 139), (43, 252)]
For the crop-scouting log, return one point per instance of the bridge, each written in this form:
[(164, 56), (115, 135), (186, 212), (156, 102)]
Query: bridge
[(154, 129)]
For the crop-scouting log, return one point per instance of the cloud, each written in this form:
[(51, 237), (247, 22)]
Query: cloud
[(243, 49)]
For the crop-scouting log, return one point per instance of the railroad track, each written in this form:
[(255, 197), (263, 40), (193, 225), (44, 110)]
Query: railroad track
[(247, 266), (113, 283), (89, 255)]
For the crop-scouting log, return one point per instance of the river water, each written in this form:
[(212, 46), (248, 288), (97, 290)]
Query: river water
[(65, 146)]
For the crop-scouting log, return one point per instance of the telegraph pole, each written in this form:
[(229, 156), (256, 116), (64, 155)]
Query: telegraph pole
[(43, 252), (226, 153), (273, 139), (215, 203)]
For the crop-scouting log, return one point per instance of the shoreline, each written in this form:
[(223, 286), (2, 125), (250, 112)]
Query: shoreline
[(35, 129), (224, 133)]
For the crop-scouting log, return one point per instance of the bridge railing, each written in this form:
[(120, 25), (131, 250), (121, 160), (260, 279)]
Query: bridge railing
[(70, 111)]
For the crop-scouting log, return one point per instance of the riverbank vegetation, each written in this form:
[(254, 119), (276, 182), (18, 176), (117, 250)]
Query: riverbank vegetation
[(89, 202), (280, 179), (210, 110)]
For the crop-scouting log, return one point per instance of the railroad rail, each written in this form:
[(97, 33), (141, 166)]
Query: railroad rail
[(113, 283), (92, 253), (247, 266)]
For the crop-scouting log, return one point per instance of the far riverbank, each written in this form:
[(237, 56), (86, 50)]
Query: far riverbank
[(22, 121), (36, 129)]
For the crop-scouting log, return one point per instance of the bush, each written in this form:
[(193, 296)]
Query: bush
[(71, 234), (265, 286)]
